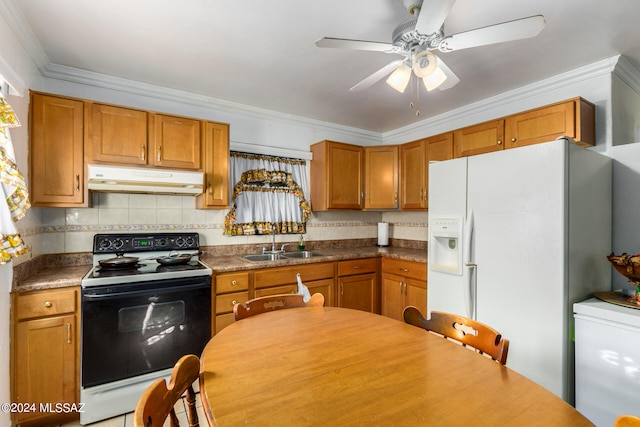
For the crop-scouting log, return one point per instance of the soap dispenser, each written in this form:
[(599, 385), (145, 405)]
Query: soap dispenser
[(301, 243)]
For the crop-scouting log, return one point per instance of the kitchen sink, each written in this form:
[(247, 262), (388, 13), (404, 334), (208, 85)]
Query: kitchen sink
[(301, 254), (263, 257)]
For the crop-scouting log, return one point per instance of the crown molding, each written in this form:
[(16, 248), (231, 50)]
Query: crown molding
[(451, 119), (628, 73)]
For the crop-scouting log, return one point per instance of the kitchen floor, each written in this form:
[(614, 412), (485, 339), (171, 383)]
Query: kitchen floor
[(127, 419)]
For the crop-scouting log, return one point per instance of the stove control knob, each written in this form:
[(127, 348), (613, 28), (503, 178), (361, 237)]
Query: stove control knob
[(162, 242), (118, 243), (190, 241), (105, 244), (180, 242)]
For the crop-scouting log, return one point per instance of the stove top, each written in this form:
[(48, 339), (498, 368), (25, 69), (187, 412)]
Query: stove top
[(145, 247)]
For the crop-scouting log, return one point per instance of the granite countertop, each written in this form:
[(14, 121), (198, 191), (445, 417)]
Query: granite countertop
[(65, 276), (224, 264)]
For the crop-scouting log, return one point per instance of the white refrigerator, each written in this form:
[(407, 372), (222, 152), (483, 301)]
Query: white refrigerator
[(515, 238)]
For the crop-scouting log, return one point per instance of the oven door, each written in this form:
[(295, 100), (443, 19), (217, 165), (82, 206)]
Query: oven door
[(133, 329)]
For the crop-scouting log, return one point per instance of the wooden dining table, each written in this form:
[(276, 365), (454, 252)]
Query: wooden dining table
[(328, 366)]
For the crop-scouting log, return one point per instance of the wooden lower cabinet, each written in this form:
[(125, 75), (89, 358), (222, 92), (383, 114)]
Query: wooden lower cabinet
[(358, 284), (45, 356), (404, 283), (230, 289)]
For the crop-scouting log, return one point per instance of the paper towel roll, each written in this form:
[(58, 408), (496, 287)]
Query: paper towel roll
[(383, 234)]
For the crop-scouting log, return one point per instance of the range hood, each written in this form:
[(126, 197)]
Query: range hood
[(120, 179)]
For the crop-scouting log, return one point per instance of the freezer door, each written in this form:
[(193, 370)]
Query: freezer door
[(447, 199)]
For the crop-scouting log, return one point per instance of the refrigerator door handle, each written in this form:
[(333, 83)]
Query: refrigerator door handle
[(470, 265)]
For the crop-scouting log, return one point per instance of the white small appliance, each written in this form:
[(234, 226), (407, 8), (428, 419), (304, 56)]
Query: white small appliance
[(607, 340), (110, 178)]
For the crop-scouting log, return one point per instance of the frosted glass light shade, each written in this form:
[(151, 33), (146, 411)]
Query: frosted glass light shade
[(399, 79), (434, 80)]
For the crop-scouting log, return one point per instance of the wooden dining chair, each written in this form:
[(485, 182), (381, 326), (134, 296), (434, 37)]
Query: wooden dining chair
[(275, 302), (627, 421), (470, 333), (157, 403)]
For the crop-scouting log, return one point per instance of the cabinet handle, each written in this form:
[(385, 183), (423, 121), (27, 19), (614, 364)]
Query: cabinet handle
[(209, 188), (234, 282), (355, 267), (77, 182), (395, 197), (362, 196), (400, 287), (68, 333), (405, 288), (404, 269), (142, 151), (341, 288), (499, 142), (513, 140), (47, 304), (159, 153)]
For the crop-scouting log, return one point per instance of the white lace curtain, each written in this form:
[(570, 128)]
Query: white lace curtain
[(269, 195)]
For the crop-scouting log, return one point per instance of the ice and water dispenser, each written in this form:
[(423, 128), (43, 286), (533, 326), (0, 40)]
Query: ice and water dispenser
[(445, 244)]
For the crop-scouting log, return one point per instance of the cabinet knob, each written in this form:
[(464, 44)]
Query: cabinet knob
[(47, 304), (234, 282), (513, 140), (234, 302), (499, 142)]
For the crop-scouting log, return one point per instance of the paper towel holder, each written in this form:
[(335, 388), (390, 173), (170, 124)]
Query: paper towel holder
[(383, 234)]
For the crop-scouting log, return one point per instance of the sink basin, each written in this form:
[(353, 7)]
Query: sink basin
[(301, 254), (262, 257)]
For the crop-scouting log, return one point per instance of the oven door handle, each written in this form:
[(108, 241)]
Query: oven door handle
[(90, 295)]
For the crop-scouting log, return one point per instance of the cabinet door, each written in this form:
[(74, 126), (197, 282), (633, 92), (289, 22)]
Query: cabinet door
[(439, 148), (547, 123), (413, 180), (175, 142), (216, 167), (478, 139), (56, 152), (325, 287), (393, 288), (45, 363), (118, 135), (336, 176), (381, 177), (416, 295), (358, 292)]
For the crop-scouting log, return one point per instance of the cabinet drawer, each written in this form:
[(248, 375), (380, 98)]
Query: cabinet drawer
[(45, 303), (223, 320), (287, 275), (232, 282), (225, 303), (358, 266), (400, 267)]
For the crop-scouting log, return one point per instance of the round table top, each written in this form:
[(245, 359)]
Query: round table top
[(336, 366)]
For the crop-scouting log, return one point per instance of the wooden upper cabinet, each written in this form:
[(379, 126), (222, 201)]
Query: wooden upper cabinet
[(174, 142), (336, 176), (216, 166), (574, 118), (118, 135), (381, 177), (415, 157), (477, 139), (135, 137), (56, 152)]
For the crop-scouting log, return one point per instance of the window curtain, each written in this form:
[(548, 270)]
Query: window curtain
[(268, 195), (15, 198)]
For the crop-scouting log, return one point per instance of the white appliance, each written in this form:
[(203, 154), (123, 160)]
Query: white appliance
[(144, 180), (607, 361), (534, 230)]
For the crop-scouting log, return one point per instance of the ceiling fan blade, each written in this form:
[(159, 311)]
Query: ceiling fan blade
[(378, 75), (452, 79), (432, 15), (353, 44), (506, 31)]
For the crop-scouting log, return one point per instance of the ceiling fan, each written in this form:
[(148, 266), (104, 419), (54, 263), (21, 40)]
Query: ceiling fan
[(416, 38)]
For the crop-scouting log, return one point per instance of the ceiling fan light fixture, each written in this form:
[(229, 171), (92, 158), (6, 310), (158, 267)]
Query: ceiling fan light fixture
[(424, 64), (399, 79), (434, 80)]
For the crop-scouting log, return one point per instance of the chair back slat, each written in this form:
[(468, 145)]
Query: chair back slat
[(275, 302), (468, 332)]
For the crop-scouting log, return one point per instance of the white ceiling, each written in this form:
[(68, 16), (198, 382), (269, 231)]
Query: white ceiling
[(262, 53)]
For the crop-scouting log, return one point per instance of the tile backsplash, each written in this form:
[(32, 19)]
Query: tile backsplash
[(70, 230)]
